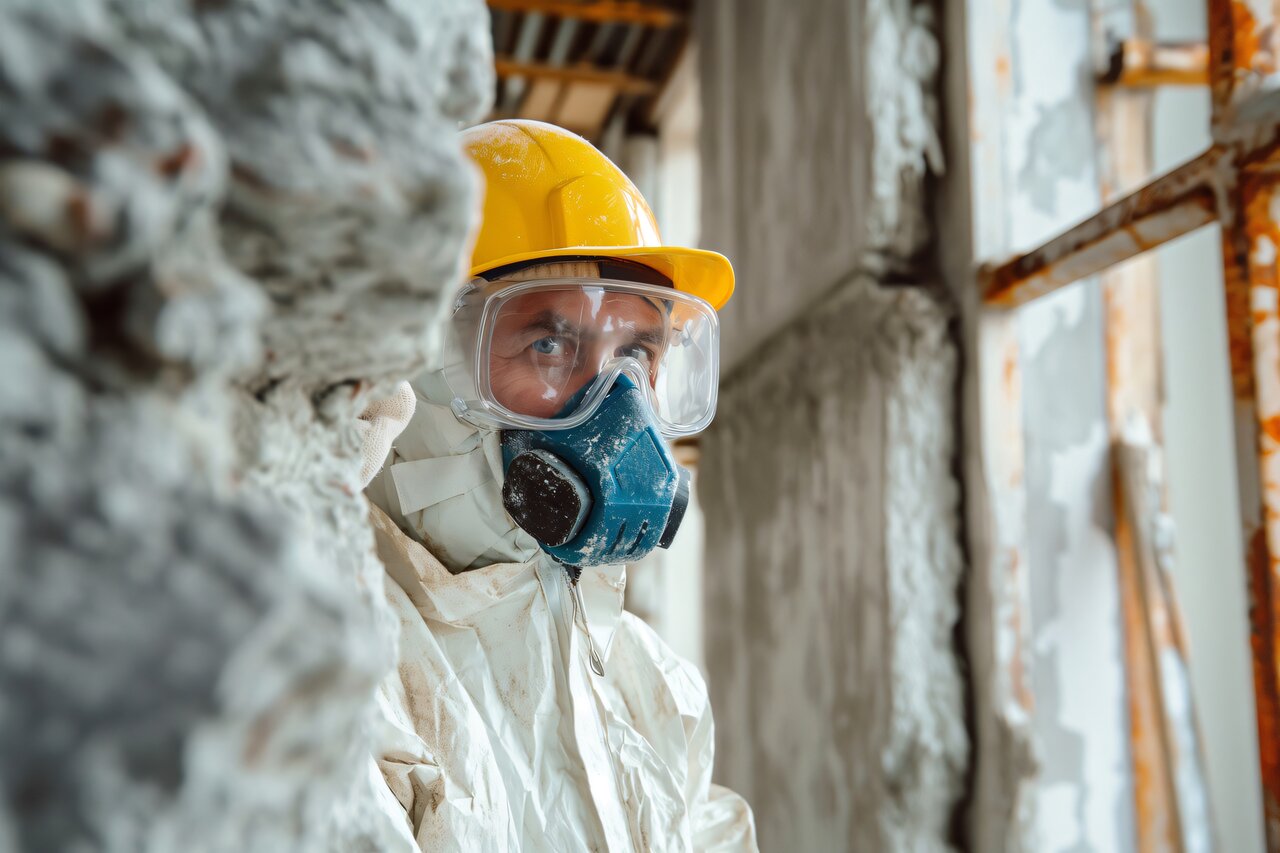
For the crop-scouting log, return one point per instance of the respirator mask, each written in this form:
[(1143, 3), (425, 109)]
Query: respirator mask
[(586, 378)]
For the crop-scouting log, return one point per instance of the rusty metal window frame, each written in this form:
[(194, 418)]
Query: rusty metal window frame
[(1236, 183)]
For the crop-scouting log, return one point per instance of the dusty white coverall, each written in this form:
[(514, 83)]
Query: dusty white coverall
[(496, 734)]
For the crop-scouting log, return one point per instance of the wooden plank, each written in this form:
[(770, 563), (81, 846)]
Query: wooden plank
[(507, 67)]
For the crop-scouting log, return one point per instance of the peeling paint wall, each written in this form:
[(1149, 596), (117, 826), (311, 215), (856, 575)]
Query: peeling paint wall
[(1052, 764), (1084, 789), (224, 229), (833, 562)]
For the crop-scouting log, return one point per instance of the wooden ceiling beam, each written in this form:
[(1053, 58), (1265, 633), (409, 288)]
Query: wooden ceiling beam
[(599, 11), (626, 83)]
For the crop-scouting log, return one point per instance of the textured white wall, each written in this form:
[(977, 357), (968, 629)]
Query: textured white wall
[(224, 227), (831, 506)]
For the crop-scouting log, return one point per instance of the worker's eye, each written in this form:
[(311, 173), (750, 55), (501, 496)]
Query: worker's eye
[(550, 345), (640, 352)]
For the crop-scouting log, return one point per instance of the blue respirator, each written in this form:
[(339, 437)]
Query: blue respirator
[(604, 492)]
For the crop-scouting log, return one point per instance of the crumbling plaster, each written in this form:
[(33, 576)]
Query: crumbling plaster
[(224, 228)]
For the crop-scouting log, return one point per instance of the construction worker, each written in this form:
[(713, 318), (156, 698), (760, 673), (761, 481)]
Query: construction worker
[(529, 711)]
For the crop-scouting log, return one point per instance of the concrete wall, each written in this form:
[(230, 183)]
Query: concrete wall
[(783, 113), (224, 228), (827, 479)]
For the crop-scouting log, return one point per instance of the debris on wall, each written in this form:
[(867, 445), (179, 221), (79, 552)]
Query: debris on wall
[(224, 229)]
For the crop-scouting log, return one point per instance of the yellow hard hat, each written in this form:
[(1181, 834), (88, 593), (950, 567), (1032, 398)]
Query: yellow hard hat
[(550, 194)]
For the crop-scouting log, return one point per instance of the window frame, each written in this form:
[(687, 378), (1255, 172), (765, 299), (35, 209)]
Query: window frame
[(1236, 183)]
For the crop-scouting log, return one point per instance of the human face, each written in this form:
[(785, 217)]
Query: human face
[(548, 344)]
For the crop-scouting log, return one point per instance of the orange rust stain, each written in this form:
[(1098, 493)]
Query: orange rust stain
[(178, 162), (79, 213), (1017, 664), (1271, 426), (1239, 341), (1246, 272), (1264, 605), (1009, 371), (1253, 43), (1220, 50), (1154, 799), (1117, 331), (1003, 68)]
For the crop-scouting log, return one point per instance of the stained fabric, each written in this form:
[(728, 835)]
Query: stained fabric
[(496, 736)]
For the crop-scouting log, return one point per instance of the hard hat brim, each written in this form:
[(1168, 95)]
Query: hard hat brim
[(700, 272)]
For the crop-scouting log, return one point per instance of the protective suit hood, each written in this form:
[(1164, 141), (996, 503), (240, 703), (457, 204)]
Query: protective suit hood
[(442, 484)]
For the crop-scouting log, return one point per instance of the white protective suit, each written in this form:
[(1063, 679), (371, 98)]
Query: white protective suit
[(497, 735)]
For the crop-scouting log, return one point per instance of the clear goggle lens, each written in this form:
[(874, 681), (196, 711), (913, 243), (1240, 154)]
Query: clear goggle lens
[(542, 354)]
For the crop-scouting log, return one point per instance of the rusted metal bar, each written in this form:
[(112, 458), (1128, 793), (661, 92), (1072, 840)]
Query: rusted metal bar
[(1169, 207), (1138, 63), (625, 83), (1244, 46), (1242, 43), (598, 11), (1253, 325)]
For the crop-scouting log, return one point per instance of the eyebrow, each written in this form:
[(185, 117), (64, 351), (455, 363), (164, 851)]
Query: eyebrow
[(651, 335), (548, 321), (555, 323)]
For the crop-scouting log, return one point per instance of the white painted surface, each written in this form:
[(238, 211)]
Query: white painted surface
[(1084, 790)]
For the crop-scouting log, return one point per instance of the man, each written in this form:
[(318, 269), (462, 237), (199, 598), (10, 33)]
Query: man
[(529, 712)]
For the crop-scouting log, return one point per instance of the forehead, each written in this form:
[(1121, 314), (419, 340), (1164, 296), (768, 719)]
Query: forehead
[(574, 303)]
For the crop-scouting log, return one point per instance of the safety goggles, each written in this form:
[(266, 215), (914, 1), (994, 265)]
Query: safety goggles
[(543, 354)]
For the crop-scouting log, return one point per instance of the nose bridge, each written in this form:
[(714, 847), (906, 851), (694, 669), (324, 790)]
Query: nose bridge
[(599, 353)]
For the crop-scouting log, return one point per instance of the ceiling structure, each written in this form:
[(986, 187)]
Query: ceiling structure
[(582, 63)]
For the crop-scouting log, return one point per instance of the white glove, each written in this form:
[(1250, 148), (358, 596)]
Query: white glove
[(380, 423)]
